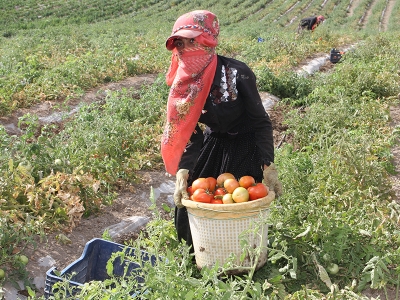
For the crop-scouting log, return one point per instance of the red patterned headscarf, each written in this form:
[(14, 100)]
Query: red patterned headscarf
[(190, 76)]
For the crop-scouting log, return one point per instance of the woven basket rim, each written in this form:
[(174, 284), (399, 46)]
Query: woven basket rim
[(261, 203)]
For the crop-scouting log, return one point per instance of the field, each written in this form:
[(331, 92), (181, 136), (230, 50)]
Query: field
[(339, 206)]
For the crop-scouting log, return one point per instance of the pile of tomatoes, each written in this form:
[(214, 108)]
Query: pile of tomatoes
[(226, 189)]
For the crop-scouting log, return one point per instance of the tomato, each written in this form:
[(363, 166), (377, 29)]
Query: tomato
[(227, 199), (212, 183), (257, 191), (326, 257), (2, 274), (23, 259), (222, 177), (230, 185), (200, 183), (201, 195), (216, 201), (240, 194), (190, 190), (247, 181), (220, 192), (333, 268)]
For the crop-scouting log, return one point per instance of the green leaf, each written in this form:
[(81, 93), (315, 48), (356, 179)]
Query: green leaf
[(189, 295), (30, 291), (304, 233), (11, 165)]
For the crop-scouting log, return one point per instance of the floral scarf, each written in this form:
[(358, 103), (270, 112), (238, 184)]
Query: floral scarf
[(190, 76)]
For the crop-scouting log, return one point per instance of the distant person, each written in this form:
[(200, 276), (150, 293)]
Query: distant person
[(310, 23)]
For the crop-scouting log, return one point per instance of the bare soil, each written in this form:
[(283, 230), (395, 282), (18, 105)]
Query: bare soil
[(131, 200)]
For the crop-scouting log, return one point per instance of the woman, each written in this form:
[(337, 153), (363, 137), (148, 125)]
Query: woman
[(220, 93), (310, 23)]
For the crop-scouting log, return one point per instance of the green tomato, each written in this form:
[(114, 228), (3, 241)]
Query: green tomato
[(57, 162), (26, 165), (2, 274), (23, 259), (333, 268), (326, 257)]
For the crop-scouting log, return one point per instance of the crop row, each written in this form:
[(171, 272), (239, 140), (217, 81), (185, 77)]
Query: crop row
[(59, 61), (342, 14)]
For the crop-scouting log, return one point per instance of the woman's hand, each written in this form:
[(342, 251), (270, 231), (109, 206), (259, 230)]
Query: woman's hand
[(181, 187), (271, 179)]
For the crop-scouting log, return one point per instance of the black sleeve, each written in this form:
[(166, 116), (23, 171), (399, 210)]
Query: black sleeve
[(192, 151), (312, 22), (257, 115)]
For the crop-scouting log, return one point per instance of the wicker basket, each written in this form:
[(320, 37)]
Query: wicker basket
[(218, 228)]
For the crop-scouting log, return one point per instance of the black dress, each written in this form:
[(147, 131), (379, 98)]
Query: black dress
[(235, 135), (308, 23)]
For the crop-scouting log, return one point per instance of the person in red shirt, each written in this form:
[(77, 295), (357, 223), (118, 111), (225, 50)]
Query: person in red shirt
[(216, 122)]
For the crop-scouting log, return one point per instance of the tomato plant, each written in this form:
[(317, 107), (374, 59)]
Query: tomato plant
[(247, 181), (231, 184), (257, 191), (240, 194), (200, 183), (201, 195)]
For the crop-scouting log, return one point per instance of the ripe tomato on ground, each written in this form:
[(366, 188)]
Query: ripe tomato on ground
[(222, 177), (246, 181), (212, 183), (257, 191), (201, 195), (200, 183)]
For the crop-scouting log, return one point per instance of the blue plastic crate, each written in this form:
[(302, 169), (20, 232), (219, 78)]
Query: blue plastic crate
[(92, 265)]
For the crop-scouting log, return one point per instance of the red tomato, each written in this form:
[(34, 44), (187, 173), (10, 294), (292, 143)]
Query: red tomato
[(212, 183), (246, 181), (201, 195), (216, 201), (230, 185), (220, 192), (222, 177), (257, 191), (200, 183), (190, 190)]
